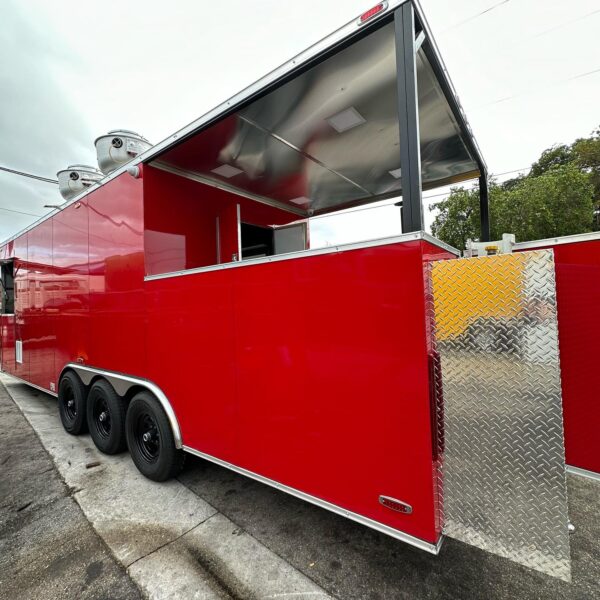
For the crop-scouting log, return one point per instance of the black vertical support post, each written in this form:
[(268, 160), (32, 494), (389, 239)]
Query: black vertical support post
[(484, 207), (408, 118)]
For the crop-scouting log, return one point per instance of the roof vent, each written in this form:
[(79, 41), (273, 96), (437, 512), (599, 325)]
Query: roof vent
[(118, 147), (76, 178)]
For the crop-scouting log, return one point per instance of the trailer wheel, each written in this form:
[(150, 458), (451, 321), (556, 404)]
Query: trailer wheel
[(150, 439), (106, 418), (71, 403)]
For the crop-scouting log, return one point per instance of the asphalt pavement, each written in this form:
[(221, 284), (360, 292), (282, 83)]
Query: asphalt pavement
[(48, 549)]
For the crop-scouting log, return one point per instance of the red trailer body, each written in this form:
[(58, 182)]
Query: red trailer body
[(577, 260), (263, 372), (185, 283)]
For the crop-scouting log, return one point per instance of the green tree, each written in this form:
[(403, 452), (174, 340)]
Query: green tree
[(560, 196), (458, 217), (558, 202)]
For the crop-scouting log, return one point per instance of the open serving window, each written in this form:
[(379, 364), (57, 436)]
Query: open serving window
[(364, 115)]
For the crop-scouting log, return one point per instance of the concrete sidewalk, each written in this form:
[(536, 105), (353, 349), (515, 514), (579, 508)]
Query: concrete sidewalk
[(171, 542)]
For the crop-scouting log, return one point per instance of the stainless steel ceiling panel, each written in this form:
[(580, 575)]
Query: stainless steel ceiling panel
[(328, 138)]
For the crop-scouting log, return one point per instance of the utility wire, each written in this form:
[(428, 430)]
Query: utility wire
[(20, 212), (476, 16), (30, 175), (567, 23), (538, 89)]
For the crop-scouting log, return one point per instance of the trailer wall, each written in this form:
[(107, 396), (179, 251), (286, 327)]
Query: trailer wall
[(578, 300), (312, 372)]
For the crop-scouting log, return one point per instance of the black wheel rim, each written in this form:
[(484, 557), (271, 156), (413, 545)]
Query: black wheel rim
[(147, 437), (70, 406), (101, 416)]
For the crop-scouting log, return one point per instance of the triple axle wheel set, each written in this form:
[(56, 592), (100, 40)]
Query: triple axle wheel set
[(117, 423)]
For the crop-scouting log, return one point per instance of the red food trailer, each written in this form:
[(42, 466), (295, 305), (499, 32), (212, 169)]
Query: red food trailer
[(176, 305)]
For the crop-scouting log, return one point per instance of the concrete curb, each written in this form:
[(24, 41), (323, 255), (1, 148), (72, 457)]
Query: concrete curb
[(172, 543)]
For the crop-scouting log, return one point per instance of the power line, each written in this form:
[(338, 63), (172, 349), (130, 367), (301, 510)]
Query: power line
[(567, 23), (584, 74), (476, 16), (538, 89), (20, 212), (30, 175)]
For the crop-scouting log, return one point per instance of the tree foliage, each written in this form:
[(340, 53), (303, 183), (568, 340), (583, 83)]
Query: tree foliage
[(559, 196)]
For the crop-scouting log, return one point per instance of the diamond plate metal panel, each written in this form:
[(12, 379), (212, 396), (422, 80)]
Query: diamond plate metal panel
[(502, 473)]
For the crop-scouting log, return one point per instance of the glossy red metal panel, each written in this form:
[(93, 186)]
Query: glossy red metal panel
[(116, 268), (39, 322), (7, 343), (70, 302), (181, 232), (578, 300), (22, 301), (328, 390), (333, 380), (192, 357)]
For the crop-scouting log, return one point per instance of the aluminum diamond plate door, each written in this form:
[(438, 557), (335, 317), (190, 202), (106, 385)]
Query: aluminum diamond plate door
[(503, 472)]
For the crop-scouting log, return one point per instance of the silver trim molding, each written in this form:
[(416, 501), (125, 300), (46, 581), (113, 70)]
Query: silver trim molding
[(583, 473), (122, 383), (405, 237), (557, 241), (399, 535)]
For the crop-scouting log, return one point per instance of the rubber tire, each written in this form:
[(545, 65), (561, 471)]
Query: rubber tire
[(71, 386), (169, 461), (113, 442)]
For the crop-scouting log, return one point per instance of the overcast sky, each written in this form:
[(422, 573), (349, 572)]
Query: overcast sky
[(527, 73)]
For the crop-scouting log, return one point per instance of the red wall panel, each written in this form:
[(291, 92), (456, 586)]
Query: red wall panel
[(22, 301), (578, 300), (71, 301), (7, 343), (180, 224), (191, 356), (327, 388), (40, 338), (116, 272)]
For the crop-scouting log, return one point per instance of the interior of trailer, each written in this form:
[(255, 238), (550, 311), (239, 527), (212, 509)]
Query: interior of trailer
[(324, 140)]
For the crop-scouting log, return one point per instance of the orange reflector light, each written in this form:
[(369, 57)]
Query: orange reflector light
[(372, 12)]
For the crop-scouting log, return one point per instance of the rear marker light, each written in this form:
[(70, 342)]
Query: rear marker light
[(367, 16), (396, 505)]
